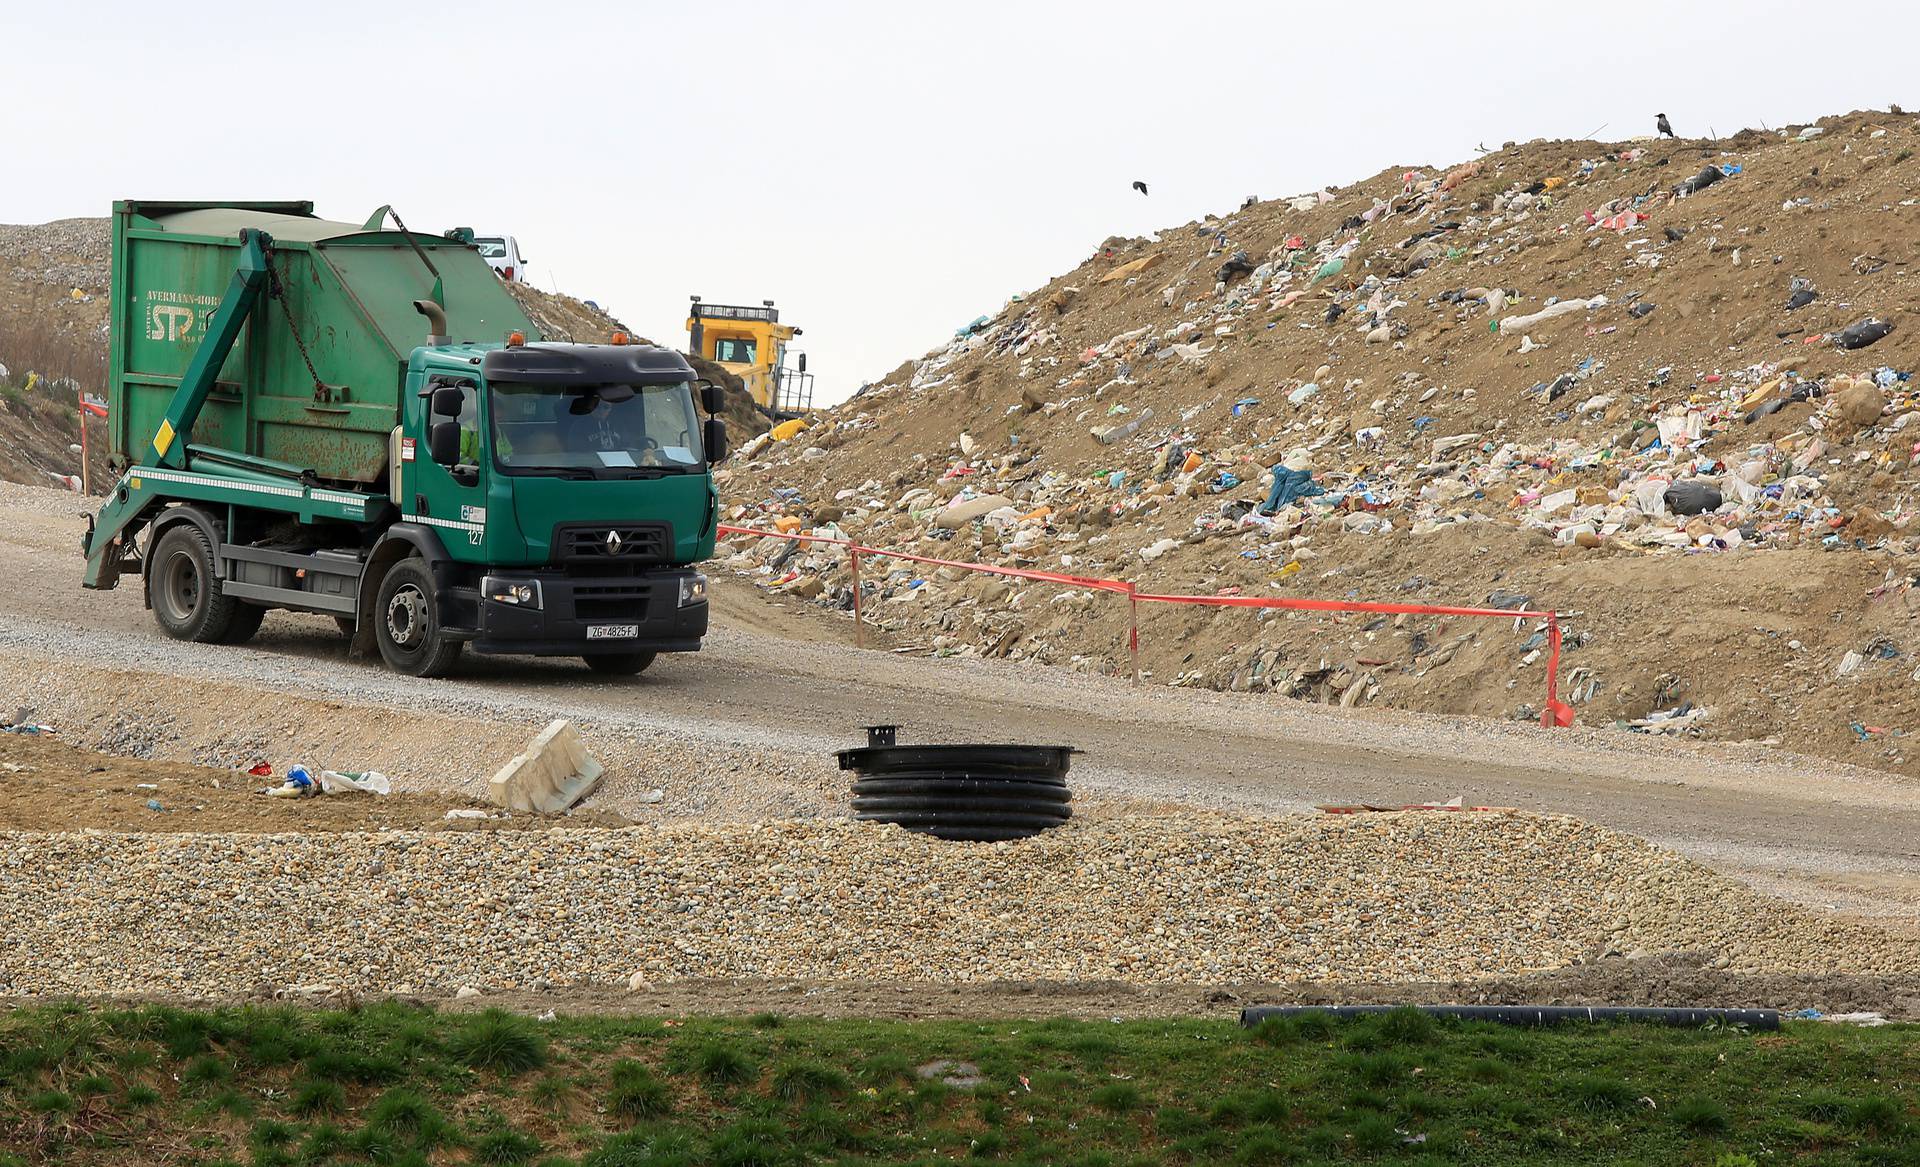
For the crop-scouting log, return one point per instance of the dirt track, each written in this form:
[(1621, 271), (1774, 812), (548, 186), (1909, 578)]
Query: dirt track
[(745, 729)]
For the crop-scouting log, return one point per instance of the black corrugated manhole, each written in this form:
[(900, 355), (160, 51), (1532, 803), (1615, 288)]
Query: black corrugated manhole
[(975, 793)]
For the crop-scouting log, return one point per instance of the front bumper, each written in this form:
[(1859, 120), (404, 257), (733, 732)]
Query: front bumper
[(570, 607)]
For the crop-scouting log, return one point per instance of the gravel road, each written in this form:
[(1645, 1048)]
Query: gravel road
[(744, 729)]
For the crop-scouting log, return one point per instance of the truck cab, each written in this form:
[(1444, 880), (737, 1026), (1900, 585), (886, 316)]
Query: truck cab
[(552, 476)]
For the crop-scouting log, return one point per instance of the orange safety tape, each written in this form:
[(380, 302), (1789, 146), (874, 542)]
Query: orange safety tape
[(1556, 713)]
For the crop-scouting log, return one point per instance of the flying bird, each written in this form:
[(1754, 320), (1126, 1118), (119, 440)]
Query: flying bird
[(1140, 186), (1663, 126)]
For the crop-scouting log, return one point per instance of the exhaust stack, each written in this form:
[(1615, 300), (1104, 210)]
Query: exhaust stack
[(436, 322)]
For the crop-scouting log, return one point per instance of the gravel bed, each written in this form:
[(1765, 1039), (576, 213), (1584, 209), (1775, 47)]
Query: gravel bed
[(16, 498), (1175, 899)]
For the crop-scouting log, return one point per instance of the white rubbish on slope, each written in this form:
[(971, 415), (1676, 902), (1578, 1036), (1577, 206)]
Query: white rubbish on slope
[(1552, 311)]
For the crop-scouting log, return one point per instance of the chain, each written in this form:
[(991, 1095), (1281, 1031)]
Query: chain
[(277, 292)]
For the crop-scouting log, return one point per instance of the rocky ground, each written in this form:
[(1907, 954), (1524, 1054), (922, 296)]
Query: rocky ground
[(1120, 420), (1168, 898)]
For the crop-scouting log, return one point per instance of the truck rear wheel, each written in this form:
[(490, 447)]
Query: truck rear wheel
[(407, 623), (188, 602), (619, 664), (245, 623)]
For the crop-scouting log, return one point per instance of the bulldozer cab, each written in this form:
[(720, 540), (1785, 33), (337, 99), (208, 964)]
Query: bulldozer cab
[(751, 343)]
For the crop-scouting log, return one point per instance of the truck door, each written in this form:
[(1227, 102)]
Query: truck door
[(450, 496)]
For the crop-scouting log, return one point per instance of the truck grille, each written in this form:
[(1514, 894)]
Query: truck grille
[(624, 601), (609, 543)]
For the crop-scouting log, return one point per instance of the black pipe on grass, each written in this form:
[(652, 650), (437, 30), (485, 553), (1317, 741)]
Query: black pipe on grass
[(1535, 1015)]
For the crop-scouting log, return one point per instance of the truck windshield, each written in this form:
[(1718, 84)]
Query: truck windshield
[(602, 431), (492, 248)]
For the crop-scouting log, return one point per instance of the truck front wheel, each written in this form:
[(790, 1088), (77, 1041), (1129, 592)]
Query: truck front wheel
[(619, 664), (188, 602), (407, 623)]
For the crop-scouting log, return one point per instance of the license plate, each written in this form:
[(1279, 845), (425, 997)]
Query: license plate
[(612, 631)]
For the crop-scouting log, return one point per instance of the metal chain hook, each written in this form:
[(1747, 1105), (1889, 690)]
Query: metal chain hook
[(275, 291)]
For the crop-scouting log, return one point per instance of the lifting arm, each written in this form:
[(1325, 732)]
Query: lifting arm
[(249, 279)]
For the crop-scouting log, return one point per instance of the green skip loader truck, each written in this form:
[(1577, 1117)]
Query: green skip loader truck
[(361, 422)]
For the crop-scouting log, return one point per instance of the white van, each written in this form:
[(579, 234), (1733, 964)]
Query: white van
[(503, 252)]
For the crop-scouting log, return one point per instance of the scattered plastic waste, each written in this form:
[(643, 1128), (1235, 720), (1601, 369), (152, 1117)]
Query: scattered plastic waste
[(303, 783)]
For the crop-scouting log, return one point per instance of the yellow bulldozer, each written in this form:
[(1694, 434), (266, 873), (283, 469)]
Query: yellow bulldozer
[(752, 344)]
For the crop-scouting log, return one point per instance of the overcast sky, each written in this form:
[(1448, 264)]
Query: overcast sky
[(884, 171)]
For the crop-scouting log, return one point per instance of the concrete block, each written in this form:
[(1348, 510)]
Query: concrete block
[(552, 775)]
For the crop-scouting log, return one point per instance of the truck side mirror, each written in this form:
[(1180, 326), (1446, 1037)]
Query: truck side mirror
[(446, 401), (711, 399), (714, 434), (443, 442), (803, 362)]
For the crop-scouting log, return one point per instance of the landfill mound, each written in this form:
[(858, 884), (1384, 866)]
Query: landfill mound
[(1145, 899), (53, 346), (1661, 386), (53, 320)]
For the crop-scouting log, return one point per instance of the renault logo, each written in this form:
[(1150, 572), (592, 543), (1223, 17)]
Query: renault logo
[(612, 543)]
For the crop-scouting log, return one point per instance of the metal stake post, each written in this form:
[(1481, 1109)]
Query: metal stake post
[(1133, 630), (859, 625)]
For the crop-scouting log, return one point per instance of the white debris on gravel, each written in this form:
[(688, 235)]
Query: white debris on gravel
[(1175, 899)]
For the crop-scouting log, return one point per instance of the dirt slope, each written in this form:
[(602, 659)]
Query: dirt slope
[(53, 317), (1120, 421)]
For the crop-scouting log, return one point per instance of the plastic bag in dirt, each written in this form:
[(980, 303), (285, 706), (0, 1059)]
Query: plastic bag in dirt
[(371, 782), (1708, 175), (1650, 495), (1864, 333), (1238, 265), (1692, 498), (1745, 481), (1680, 429)]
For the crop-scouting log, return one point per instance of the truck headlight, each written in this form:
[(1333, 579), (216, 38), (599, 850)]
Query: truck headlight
[(693, 590), (521, 593)]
